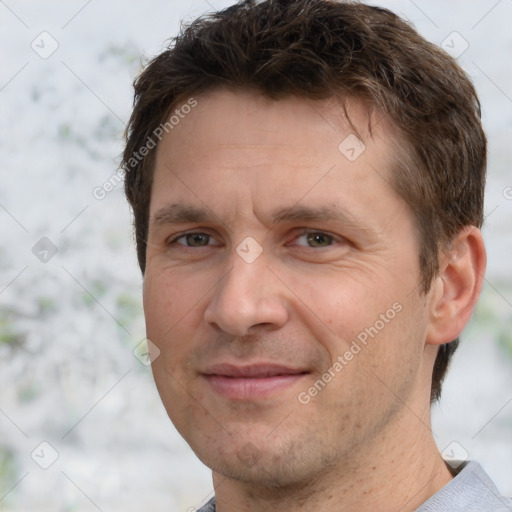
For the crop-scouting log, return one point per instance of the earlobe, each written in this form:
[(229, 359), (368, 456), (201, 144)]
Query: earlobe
[(455, 291)]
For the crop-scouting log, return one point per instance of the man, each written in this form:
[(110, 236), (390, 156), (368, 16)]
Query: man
[(307, 184)]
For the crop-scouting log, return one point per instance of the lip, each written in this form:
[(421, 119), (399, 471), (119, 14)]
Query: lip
[(251, 382)]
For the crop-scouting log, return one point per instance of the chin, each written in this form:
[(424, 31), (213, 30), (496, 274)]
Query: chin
[(272, 465)]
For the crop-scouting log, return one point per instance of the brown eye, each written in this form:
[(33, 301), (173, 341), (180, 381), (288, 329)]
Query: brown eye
[(318, 239), (194, 240)]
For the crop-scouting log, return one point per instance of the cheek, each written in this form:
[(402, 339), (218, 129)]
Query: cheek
[(172, 307), (373, 324), (337, 304), (391, 351)]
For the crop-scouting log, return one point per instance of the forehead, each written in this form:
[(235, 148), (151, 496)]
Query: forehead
[(241, 144), (226, 110)]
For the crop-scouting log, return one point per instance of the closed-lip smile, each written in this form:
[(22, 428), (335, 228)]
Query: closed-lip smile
[(251, 381)]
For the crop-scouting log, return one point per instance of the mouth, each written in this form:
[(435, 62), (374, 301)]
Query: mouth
[(251, 382)]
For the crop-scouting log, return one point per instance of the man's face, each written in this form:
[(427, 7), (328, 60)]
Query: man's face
[(273, 254)]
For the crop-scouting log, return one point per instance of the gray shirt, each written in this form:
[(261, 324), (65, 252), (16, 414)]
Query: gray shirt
[(471, 490)]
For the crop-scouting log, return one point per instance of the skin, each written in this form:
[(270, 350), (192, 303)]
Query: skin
[(364, 441)]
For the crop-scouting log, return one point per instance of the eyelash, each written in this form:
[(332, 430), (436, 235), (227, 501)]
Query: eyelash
[(184, 235), (302, 233), (307, 232)]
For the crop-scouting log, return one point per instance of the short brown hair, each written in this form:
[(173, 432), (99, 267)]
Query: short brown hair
[(319, 49)]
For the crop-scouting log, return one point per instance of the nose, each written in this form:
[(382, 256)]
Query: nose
[(249, 297)]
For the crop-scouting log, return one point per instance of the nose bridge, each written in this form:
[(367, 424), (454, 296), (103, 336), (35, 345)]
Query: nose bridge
[(242, 280), (249, 295)]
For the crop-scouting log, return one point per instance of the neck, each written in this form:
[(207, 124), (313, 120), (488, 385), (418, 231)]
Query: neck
[(398, 472)]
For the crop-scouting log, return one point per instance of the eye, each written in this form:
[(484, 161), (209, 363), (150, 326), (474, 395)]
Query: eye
[(193, 240), (315, 239)]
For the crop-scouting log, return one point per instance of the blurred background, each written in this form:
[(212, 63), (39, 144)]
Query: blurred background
[(81, 425)]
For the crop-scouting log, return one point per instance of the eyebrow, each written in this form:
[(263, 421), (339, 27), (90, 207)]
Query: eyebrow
[(326, 213), (307, 214), (182, 214), (179, 213)]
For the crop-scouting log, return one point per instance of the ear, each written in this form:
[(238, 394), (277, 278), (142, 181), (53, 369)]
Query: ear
[(455, 291)]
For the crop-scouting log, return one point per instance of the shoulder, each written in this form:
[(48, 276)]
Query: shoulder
[(471, 490), (209, 507)]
